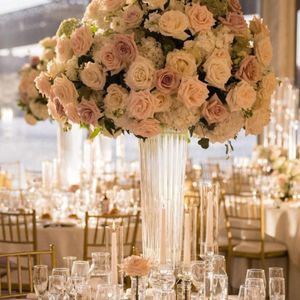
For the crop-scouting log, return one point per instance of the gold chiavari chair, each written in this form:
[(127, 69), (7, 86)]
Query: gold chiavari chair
[(245, 223), (19, 229), (96, 230), (14, 263)]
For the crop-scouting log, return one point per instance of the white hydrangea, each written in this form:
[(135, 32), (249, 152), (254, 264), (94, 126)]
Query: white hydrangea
[(72, 68), (152, 22), (206, 43), (151, 49)]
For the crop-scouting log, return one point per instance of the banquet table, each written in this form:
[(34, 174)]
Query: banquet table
[(282, 224), (67, 239)]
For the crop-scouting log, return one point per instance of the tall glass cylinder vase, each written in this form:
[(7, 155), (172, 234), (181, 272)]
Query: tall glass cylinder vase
[(163, 160), (69, 152)]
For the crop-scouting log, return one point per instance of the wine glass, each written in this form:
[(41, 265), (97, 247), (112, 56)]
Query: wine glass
[(248, 293), (105, 292), (277, 288), (83, 292), (68, 261), (64, 272), (259, 283), (256, 273), (72, 285), (56, 286), (198, 276), (40, 280), (81, 268), (276, 272)]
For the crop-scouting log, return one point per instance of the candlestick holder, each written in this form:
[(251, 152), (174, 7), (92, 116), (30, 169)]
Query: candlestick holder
[(209, 218), (185, 282)]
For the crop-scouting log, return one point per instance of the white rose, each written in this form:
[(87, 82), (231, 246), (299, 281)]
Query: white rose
[(154, 4), (268, 84), (242, 96), (174, 23), (206, 41), (141, 74), (55, 67), (110, 5), (48, 55), (39, 110), (72, 68), (217, 71), (263, 51), (115, 100), (63, 49), (30, 119), (222, 54), (93, 76), (226, 130), (259, 119), (182, 62), (93, 14), (48, 42)]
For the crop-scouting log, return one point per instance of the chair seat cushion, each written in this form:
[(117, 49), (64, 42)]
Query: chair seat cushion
[(255, 247)]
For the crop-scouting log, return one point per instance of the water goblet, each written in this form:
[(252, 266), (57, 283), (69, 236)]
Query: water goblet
[(248, 293), (56, 286), (256, 273), (68, 261), (72, 285), (198, 276), (259, 283), (83, 292), (80, 268), (105, 292), (277, 288), (40, 280), (276, 272)]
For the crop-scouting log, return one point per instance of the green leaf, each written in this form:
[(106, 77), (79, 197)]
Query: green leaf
[(95, 133), (204, 143)]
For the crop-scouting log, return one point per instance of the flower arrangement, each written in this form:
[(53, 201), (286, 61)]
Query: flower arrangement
[(156, 64), (31, 101)]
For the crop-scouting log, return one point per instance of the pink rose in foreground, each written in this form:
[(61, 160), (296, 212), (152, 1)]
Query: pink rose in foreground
[(141, 105), (201, 19), (146, 128), (133, 16), (43, 84), (63, 49), (249, 70), (81, 40), (167, 80), (163, 101), (93, 76), (136, 266), (107, 56), (235, 22), (55, 109), (89, 112), (192, 92), (214, 111), (234, 6), (125, 48), (72, 113), (64, 90)]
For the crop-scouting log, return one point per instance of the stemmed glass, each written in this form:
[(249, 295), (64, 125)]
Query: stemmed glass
[(80, 268), (198, 276), (56, 286), (40, 280), (72, 286), (248, 293), (68, 261), (105, 292), (259, 283), (256, 273), (276, 288), (276, 272), (65, 273)]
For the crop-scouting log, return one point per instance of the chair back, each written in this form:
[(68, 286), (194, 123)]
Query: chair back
[(96, 231), (18, 228), (244, 218), (21, 264)]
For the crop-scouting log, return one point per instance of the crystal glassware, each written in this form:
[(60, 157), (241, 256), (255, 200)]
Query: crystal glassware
[(198, 276), (105, 292), (68, 262), (276, 272), (276, 288), (259, 283), (248, 293), (57, 285), (72, 285), (80, 268), (83, 292), (256, 273), (40, 280)]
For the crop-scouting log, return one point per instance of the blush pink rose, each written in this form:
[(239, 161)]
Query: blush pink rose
[(125, 48), (107, 56), (214, 111), (201, 19), (235, 22), (136, 266), (64, 51), (81, 40), (234, 6), (72, 113), (141, 105), (43, 84), (55, 109), (249, 70), (167, 80), (89, 112), (133, 16), (163, 101), (146, 128), (93, 76)]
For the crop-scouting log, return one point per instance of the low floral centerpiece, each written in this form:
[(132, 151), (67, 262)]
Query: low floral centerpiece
[(157, 64), (31, 101)]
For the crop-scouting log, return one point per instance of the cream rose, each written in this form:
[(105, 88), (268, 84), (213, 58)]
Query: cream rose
[(47, 55), (48, 42), (93, 76), (64, 90), (81, 40), (110, 5), (54, 68), (242, 96), (154, 4), (217, 71), (256, 123), (30, 119), (163, 101), (63, 49), (141, 74), (115, 99), (268, 85), (201, 19), (257, 26), (145, 128), (39, 110), (263, 51), (141, 105), (43, 84), (214, 111), (167, 81), (249, 70), (174, 23), (182, 62), (206, 41), (132, 16), (192, 92), (136, 266)]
